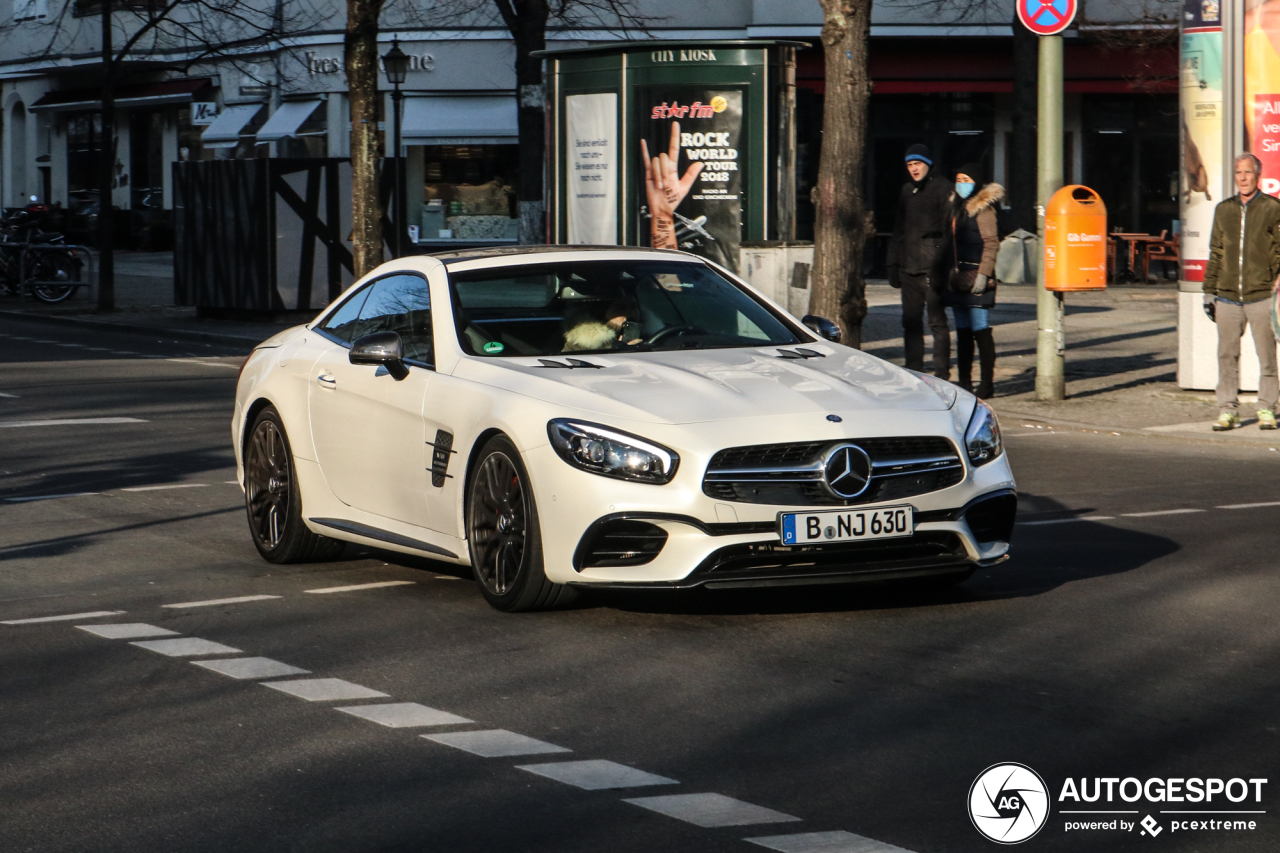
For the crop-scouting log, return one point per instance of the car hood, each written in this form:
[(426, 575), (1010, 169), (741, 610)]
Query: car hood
[(693, 386)]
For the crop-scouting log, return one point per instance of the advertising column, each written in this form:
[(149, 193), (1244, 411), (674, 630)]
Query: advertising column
[(1202, 130), (692, 162)]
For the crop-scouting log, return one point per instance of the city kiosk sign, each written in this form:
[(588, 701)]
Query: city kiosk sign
[(689, 147)]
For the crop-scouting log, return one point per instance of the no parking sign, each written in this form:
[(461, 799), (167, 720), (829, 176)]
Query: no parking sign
[(1046, 17)]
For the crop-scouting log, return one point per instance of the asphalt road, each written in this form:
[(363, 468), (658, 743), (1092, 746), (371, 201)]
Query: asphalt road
[(1142, 643)]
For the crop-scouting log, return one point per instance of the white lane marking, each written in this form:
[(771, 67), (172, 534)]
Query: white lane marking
[(165, 487), (710, 810), (127, 631), (251, 667), (1065, 520), (213, 602), (50, 497), (324, 689), (203, 363), (597, 775), (67, 617), (9, 396), (34, 341), (186, 647), (231, 482), (825, 842), (124, 352), (495, 743), (97, 349), (1249, 506), (1159, 512), (403, 715), (70, 422), (78, 346), (358, 586)]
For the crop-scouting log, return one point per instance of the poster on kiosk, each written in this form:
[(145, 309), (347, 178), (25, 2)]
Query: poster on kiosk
[(1202, 126)]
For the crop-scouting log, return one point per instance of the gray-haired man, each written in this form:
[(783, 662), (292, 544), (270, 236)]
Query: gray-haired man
[(1244, 263)]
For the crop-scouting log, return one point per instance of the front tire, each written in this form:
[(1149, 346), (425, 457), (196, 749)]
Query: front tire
[(504, 536), (273, 499)]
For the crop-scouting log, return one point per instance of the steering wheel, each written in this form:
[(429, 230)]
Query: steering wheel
[(670, 331)]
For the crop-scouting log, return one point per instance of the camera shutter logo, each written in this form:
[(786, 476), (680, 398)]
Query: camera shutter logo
[(1008, 803)]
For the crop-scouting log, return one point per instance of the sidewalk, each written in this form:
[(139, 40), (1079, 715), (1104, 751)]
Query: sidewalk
[(1120, 367)]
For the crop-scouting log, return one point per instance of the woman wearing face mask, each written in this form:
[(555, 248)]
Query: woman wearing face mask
[(971, 286)]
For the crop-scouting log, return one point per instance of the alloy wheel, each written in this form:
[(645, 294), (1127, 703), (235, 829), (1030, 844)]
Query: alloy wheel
[(497, 523), (267, 483)]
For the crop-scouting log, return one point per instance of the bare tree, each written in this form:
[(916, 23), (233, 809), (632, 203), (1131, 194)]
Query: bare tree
[(360, 48), (840, 227), (193, 31)]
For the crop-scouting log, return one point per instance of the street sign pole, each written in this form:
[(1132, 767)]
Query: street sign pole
[(1050, 346)]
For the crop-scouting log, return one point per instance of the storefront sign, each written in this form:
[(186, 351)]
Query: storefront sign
[(318, 65), (690, 172), (1202, 130), (203, 112), (591, 138)]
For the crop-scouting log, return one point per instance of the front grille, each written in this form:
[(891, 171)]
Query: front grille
[(620, 543), (925, 550), (791, 474)]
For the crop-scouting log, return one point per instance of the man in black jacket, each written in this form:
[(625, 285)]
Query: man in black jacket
[(915, 257)]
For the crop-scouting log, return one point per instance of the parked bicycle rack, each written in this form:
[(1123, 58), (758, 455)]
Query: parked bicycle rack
[(25, 286)]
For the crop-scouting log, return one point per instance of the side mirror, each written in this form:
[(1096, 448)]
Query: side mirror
[(382, 348), (822, 327)]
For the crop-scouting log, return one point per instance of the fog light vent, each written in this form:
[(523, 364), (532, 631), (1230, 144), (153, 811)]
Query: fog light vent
[(620, 543), (991, 519)]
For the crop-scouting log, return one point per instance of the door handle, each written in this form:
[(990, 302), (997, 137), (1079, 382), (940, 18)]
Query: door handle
[(327, 380)]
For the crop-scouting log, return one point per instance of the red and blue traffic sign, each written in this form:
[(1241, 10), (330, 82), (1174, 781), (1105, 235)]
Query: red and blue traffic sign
[(1047, 17)]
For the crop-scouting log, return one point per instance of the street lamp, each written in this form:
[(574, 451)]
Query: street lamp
[(396, 65)]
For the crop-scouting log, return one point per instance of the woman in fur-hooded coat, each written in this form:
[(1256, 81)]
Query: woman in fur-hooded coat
[(973, 247)]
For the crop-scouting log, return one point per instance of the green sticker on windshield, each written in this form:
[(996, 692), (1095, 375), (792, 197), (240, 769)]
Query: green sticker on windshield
[(493, 347)]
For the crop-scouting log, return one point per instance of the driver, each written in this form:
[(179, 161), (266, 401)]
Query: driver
[(621, 318)]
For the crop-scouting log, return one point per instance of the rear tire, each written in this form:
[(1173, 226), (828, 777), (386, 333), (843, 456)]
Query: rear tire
[(504, 537), (273, 499), (53, 268)]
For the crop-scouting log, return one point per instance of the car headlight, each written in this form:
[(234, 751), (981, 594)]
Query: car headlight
[(982, 438), (610, 453)]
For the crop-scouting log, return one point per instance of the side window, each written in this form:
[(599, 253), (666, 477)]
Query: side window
[(342, 324), (402, 304)]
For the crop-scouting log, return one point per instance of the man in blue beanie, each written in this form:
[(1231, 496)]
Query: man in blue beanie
[(915, 258)]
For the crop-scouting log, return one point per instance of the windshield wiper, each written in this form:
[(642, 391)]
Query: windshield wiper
[(573, 364), (799, 352)]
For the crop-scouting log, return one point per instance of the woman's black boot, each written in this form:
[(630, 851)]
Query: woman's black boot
[(964, 359), (986, 364)]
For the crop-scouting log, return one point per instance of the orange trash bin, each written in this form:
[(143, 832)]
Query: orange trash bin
[(1075, 240)]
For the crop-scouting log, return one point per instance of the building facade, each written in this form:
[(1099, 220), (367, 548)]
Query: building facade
[(943, 75)]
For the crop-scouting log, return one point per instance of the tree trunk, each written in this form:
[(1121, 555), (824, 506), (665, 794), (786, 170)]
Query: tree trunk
[(1022, 153), (360, 47), (106, 171), (528, 27), (839, 291)]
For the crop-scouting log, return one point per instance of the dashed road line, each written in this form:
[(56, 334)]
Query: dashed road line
[(203, 363), (1249, 506), (324, 689), (213, 602), (597, 775), (165, 487), (824, 842), (251, 667), (1067, 520), (358, 586), (1160, 512), (29, 498), (65, 617), (69, 422), (127, 630), (186, 647), (10, 396), (404, 715), (710, 810), (495, 743)]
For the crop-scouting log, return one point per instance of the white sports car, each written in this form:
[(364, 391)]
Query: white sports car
[(564, 417)]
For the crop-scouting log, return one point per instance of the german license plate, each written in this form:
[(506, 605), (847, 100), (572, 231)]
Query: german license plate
[(843, 525)]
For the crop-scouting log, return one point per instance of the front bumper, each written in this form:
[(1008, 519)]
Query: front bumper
[(705, 542)]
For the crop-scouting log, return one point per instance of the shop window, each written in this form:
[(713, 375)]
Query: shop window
[(469, 192)]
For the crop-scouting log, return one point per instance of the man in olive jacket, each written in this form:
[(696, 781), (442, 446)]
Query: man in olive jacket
[(1244, 263), (915, 258)]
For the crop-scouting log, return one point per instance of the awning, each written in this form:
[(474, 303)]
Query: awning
[(460, 120), (126, 97), (286, 120), (225, 130)]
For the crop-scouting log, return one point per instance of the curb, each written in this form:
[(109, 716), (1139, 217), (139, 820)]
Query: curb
[(1139, 432), (138, 329)]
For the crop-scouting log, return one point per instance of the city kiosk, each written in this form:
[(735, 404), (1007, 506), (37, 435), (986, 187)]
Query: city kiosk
[(686, 145)]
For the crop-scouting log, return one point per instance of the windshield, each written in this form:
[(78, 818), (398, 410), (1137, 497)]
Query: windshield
[(607, 306)]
